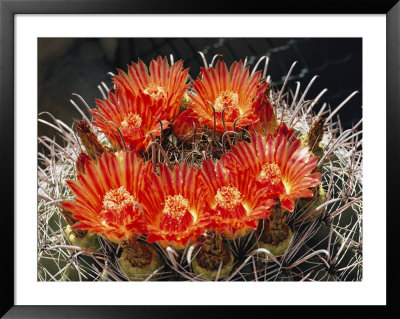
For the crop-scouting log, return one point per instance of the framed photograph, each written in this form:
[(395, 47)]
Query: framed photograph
[(170, 156)]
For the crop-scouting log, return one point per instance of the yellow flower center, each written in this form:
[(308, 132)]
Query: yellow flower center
[(131, 123), (118, 203), (228, 197), (224, 99), (175, 214), (176, 205), (155, 91), (271, 173)]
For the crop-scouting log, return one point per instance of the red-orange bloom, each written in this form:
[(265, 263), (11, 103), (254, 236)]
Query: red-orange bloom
[(174, 206), (235, 92), (278, 162), (268, 122), (106, 195), (134, 117), (237, 202), (164, 84), (184, 125)]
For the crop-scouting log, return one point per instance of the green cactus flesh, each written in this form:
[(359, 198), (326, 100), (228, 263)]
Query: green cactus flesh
[(89, 241), (278, 248)]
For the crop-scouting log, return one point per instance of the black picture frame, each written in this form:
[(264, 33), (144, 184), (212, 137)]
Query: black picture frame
[(8, 10)]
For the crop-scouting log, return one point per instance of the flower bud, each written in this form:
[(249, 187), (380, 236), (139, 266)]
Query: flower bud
[(89, 140), (81, 162), (314, 137)]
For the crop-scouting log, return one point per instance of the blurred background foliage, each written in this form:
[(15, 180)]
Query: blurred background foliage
[(78, 65)]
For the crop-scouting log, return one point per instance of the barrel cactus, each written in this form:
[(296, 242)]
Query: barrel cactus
[(222, 178)]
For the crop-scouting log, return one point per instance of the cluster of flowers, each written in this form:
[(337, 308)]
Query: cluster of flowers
[(119, 195)]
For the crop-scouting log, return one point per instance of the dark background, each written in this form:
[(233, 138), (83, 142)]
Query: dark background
[(78, 65)]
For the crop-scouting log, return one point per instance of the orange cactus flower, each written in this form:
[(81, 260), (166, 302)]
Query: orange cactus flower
[(279, 163), (105, 195), (183, 127), (237, 202), (174, 206), (164, 84), (133, 116), (268, 122), (232, 92)]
